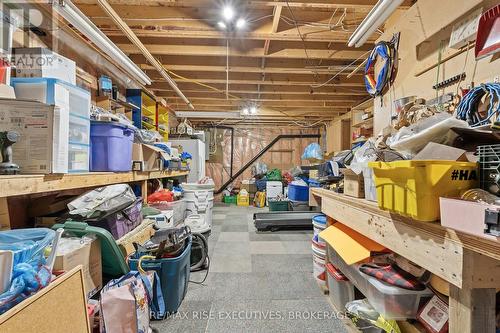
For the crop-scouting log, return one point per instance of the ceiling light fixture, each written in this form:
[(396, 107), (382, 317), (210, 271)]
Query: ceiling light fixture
[(83, 24), (375, 18), (253, 110), (245, 111), (221, 25), (228, 13), (240, 24)]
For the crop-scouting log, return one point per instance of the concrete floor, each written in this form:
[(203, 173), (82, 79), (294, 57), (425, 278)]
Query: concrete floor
[(258, 282)]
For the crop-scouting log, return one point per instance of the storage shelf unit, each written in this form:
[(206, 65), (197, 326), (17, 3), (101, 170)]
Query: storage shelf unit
[(470, 264), (30, 184)]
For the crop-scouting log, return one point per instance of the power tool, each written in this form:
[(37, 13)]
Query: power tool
[(7, 139)]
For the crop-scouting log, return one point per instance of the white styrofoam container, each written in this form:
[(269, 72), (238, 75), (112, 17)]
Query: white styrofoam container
[(42, 62)]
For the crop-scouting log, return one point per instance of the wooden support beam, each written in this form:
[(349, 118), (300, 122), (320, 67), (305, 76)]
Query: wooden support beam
[(203, 51)]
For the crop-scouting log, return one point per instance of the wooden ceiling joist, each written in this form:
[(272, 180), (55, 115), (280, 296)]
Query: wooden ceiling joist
[(287, 50)]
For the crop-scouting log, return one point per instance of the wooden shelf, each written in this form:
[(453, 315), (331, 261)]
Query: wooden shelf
[(470, 264), (367, 123), (30, 184), (118, 104), (437, 249)]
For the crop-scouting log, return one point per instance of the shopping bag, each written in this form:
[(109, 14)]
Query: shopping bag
[(125, 304)]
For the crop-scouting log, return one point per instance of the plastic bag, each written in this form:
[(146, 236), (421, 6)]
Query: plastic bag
[(274, 175), (29, 273), (412, 139), (26, 243), (313, 151), (259, 168), (364, 316), (161, 195), (104, 199)]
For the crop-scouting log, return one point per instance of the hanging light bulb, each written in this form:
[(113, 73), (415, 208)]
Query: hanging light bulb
[(245, 111), (221, 25), (228, 13), (240, 24), (253, 110)]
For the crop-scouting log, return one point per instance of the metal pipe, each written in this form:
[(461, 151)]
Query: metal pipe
[(135, 40), (262, 152)]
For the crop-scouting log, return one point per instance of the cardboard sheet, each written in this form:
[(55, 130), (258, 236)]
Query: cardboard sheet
[(352, 246)]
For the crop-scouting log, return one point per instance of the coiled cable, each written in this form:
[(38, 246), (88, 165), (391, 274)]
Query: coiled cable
[(387, 52), (468, 108)]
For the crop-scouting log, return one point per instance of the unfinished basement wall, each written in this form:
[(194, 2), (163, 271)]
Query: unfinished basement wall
[(248, 142), (424, 27)]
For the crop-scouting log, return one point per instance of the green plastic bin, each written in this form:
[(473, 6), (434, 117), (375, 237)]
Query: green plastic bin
[(113, 262), (278, 206), (230, 199)]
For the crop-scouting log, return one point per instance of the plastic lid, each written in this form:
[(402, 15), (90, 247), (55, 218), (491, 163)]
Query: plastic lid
[(321, 219), (335, 273), (388, 289)]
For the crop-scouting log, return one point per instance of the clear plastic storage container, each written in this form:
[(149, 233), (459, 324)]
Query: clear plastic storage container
[(390, 301), (78, 158), (340, 289), (79, 130)]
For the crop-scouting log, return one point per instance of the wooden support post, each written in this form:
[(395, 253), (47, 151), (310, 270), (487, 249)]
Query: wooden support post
[(4, 214), (144, 190), (472, 307), (472, 310)]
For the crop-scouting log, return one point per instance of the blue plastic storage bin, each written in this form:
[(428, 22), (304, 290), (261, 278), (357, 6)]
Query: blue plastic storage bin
[(174, 278), (110, 146), (298, 193)]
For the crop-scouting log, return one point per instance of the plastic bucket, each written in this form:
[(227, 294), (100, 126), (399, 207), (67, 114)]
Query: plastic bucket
[(319, 269), (174, 277), (110, 146)]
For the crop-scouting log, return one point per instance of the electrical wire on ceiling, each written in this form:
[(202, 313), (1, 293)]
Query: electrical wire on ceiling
[(339, 72)]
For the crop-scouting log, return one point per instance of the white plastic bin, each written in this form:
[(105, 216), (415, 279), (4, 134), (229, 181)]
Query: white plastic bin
[(370, 188), (390, 301), (340, 289), (178, 207), (199, 200)]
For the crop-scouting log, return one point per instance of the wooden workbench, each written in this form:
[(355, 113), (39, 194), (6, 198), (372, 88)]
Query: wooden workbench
[(30, 184), (470, 264)]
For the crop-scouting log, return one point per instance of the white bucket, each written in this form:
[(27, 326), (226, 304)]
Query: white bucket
[(319, 269), (317, 229), (199, 201)]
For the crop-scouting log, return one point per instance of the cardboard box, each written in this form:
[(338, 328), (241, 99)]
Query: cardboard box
[(141, 234), (42, 62), (60, 307), (436, 151), (148, 157), (354, 184), (42, 147), (249, 186), (86, 252), (352, 246)]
